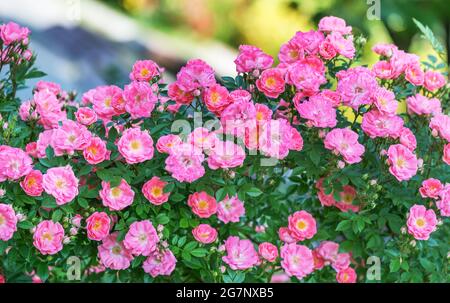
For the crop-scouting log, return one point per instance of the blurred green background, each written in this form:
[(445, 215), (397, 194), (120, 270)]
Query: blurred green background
[(269, 23)]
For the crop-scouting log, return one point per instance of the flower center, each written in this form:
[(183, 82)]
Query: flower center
[(31, 181), (420, 222), (142, 237), (92, 150), (97, 225), (202, 204), (47, 236), (270, 82), (345, 277), (135, 144), (116, 192), (145, 72), (108, 102), (157, 191), (60, 184), (215, 97), (401, 162), (2, 220), (301, 225), (116, 250)]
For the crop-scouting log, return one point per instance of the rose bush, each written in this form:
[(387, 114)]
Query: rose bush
[(307, 170)]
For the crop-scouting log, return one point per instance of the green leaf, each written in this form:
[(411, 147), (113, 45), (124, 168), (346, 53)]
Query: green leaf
[(344, 225), (254, 192), (25, 225), (199, 252), (427, 264), (394, 266), (162, 219), (57, 215)]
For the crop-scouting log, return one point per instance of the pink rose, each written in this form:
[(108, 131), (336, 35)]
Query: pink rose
[(167, 142), (302, 225), (113, 254), (341, 262), (334, 24), (116, 198), (86, 115), (414, 74), (328, 250), (226, 154), (356, 85), (160, 263), (48, 237), (385, 101), (268, 251), (344, 141), (135, 146), (205, 234), (241, 254), (297, 260), (216, 98), (421, 222), (441, 124), (144, 70), (318, 110), (271, 83), (230, 209), (252, 58), (444, 203), (179, 95), (96, 152), (347, 275), (141, 238), (12, 32), (408, 139), (446, 155), (32, 184), (14, 163), (61, 183), (139, 99), (202, 204), (153, 191), (185, 163), (431, 188), (377, 124), (8, 222), (434, 80), (98, 226), (421, 105), (403, 163)]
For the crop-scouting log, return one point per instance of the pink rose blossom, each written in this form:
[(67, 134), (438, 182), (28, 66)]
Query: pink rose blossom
[(446, 155), (135, 146), (96, 152), (105, 100), (31, 149), (344, 141), (241, 254), (185, 163), (318, 111), (414, 74), (297, 260), (226, 154), (205, 234), (98, 226), (202, 139), (341, 262), (383, 70), (160, 263), (86, 116), (32, 184), (139, 99), (61, 183), (328, 250), (441, 124), (70, 137), (421, 222), (377, 124), (216, 98), (14, 163), (347, 275), (307, 75), (8, 222), (347, 196), (48, 237), (153, 191), (403, 163), (12, 32), (268, 251), (141, 238), (421, 105), (271, 83), (113, 254), (444, 203), (144, 70), (343, 46), (384, 49), (408, 139), (434, 80), (252, 58), (167, 142), (334, 24), (202, 204), (385, 101), (230, 209), (195, 74), (116, 198), (179, 95), (302, 225), (356, 85), (431, 188)]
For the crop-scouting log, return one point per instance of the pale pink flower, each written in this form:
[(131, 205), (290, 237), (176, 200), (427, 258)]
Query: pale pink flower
[(383, 70), (421, 105), (268, 251), (297, 260), (318, 111), (414, 74), (377, 124), (344, 141), (307, 75), (446, 154), (12, 32), (441, 124), (48, 237), (230, 209), (341, 262), (70, 137), (25, 111), (139, 99), (113, 254), (86, 116), (51, 87), (116, 198), (444, 203), (153, 191), (141, 238), (434, 80), (216, 98), (271, 82), (385, 101), (195, 74), (328, 250), (103, 99), (205, 234), (96, 152), (302, 225), (431, 188), (403, 163), (202, 204), (408, 139), (202, 139), (252, 58), (185, 163), (343, 46), (144, 70), (98, 226), (384, 49), (14, 163), (32, 184), (421, 222), (135, 146), (226, 154), (330, 24), (76, 220), (280, 278), (347, 275), (160, 263), (237, 115), (327, 50), (61, 183), (8, 222), (356, 85), (167, 142), (241, 254)]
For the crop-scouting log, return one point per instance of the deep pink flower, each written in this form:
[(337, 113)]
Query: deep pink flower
[(8, 222), (328, 250), (347, 275), (32, 184), (113, 254), (141, 238), (116, 198), (216, 98), (230, 209), (421, 222), (48, 237), (96, 152), (205, 234), (202, 204), (302, 225), (144, 70), (139, 99), (153, 191), (431, 188), (402, 162), (241, 254), (252, 58), (271, 82), (98, 226), (334, 24), (12, 32), (195, 74), (268, 251)]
